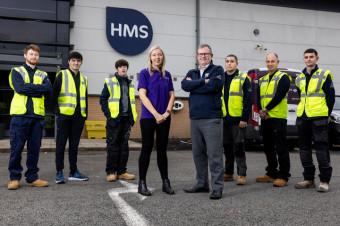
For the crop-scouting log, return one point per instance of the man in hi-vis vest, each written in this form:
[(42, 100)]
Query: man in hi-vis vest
[(238, 99), (30, 87), (272, 95), (118, 105), (70, 106), (317, 97)]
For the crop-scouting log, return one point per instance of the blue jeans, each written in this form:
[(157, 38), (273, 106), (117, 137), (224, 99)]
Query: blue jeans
[(24, 129)]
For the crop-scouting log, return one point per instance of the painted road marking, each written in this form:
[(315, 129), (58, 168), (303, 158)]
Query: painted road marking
[(129, 214)]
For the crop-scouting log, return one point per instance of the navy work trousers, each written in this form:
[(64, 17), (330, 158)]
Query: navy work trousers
[(318, 131), (274, 131), (24, 129), (233, 144), (117, 139), (68, 127)]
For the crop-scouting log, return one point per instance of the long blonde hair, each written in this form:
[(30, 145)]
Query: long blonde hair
[(162, 68)]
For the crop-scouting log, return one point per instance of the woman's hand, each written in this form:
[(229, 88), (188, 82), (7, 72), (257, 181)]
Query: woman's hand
[(159, 118)]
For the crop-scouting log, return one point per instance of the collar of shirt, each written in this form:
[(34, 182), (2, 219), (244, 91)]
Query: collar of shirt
[(119, 77), (74, 75), (203, 69), (29, 69), (234, 74), (313, 71)]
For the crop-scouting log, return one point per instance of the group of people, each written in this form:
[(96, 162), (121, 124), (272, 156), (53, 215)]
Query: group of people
[(219, 103)]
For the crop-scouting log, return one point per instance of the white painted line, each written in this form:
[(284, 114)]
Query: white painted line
[(129, 214)]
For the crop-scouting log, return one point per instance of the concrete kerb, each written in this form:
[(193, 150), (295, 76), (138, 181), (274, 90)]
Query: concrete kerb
[(48, 145)]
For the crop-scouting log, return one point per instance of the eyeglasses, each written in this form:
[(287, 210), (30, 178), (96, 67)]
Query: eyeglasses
[(203, 54)]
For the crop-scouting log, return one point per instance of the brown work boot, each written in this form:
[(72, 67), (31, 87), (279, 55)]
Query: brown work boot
[(126, 176), (13, 185), (111, 178), (228, 177), (265, 178), (305, 184), (241, 180), (279, 183), (37, 183)]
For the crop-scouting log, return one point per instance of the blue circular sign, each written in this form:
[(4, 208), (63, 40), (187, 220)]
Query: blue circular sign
[(128, 31)]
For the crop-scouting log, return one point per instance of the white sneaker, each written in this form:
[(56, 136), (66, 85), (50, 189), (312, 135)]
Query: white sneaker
[(323, 187)]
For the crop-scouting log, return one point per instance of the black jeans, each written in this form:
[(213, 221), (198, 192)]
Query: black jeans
[(274, 132), (117, 139), (317, 129), (233, 144), (148, 127), (68, 127)]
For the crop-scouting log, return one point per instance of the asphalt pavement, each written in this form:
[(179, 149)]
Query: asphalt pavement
[(97, 202)]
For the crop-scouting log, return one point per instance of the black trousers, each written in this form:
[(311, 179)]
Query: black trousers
[(274, 132), (233, 144), (317, 129), (68, 127), (148, 128), (117, 139)]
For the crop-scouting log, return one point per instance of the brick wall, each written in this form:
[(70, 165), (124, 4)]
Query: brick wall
[(180, 122)]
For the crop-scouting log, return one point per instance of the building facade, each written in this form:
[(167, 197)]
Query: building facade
[(248, 29)]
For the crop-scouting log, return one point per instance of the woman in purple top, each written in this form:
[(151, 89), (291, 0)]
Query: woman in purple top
[(157, 94)]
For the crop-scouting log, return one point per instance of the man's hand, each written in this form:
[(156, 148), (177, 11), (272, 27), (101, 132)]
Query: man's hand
[(263, 115), (206, 80), (243, 124), (188, 78)]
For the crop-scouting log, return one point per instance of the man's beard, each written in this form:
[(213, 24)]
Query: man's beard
[(32, 62)]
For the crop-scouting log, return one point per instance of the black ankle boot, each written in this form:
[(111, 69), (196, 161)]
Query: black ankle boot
[(142, 189), (167, 188)]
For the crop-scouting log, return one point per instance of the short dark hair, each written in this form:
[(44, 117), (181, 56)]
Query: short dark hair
[(75, 55), (121, 62), (311, 51), (33, 47), (232, 55)]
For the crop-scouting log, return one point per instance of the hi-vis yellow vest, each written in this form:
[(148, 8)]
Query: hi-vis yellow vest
[(268, 91), (314, 102), (18, 105), (235, 101), (67, 99), (113, 101)]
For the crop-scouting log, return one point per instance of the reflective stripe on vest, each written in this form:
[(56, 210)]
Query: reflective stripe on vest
[(235, 101), (268, 91), (67, 99), (314, 103), (114, 98), (19, 101)]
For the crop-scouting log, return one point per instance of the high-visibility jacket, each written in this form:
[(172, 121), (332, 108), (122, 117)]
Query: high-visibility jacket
[(235, 100), (114, 89), (18, 105), (268, 91), (314, 102), (67, 99), (224, 110)]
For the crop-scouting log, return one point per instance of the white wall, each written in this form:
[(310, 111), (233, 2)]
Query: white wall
[(173, 24), (226, 26), (229, 26)]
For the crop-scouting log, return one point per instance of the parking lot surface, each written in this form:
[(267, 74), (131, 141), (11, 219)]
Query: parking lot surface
[(97, 202)]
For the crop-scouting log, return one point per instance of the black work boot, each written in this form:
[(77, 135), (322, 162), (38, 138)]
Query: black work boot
[(142, 189), (167, 188)]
